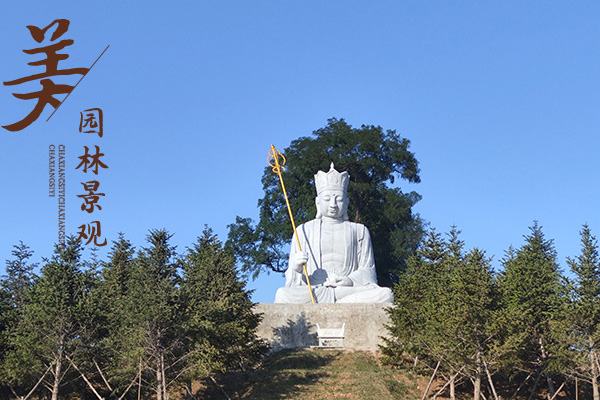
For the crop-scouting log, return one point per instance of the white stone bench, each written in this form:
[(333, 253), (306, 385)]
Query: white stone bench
[(331, 337)]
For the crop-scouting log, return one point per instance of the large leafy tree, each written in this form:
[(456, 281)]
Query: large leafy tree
[(375, 159)]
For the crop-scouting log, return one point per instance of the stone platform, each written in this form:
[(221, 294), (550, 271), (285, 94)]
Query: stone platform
[(289, 326)]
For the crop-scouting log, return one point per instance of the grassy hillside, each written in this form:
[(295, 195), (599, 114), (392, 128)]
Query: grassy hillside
[(337, 374), (320, 374)]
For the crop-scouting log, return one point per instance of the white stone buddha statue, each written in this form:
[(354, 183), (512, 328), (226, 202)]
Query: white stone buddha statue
[(337, 253)]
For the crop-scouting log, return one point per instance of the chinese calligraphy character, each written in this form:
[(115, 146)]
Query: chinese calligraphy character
[(91, 198), (49, 89), (91, 161), (91, 232), (92, 121)]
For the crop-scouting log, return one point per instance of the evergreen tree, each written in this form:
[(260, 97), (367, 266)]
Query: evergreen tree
[(5, 310), (114, 358), (49, 332), (14, 289), (375, 159), (93, 320), (117, 272), (415, 322), (584, 310), (468, 311), (441, 343), (19, 275), (219, 317), (444, 307), (533, 300), (150, 335), (125, 355)]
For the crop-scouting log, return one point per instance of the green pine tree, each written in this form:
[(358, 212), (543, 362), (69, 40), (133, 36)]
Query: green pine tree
[(49, 332), (5, 321), (444, 308), (14, 292), (414, 319), (116, 361), (585, 308), (19, 275), (533, 302), (467, 310), (151, 334), (219, 319)]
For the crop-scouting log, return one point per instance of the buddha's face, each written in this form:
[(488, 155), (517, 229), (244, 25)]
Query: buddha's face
[(332, 203)]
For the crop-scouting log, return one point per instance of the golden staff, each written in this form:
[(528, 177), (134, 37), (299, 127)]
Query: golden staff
[(276, 166)]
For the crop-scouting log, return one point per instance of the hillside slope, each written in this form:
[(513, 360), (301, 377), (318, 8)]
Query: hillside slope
[(320, 374), (345, 374)]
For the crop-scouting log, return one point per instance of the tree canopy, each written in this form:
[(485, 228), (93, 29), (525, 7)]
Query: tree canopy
[(145, 323), (444, 308), (375, 159), (584, 310), (453, 314)]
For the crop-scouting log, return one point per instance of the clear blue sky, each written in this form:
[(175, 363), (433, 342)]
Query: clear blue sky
[(500, 100)]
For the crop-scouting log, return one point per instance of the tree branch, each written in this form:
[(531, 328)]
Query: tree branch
[(84, 377), (102, 375), (489, 376), (447, 383), (431, 380), (558, 390), (220, 387)]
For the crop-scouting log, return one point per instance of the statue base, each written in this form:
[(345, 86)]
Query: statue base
[(292, 326)]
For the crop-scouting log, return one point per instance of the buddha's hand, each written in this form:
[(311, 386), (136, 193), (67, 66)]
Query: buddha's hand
[(336, 280), (300, 259)]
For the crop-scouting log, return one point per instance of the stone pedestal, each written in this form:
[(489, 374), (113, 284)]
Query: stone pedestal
[(288, 326)]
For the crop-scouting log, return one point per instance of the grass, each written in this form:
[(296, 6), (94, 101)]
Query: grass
[(319, 374), (341, 374)]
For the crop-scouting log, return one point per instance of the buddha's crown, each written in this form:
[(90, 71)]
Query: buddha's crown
[(331, 180)]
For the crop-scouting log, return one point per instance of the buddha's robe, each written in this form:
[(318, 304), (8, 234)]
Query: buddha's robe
[(358, 265)]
